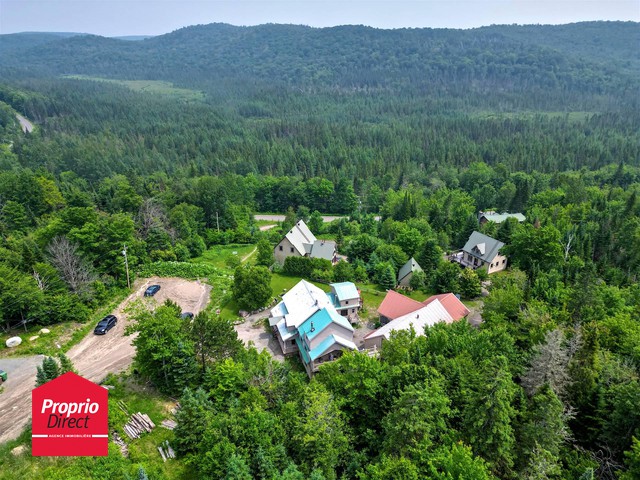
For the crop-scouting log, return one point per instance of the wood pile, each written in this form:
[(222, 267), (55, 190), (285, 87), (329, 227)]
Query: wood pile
[(117, 439), (138, 424), (170, 424), (123, 406), (166, 451)]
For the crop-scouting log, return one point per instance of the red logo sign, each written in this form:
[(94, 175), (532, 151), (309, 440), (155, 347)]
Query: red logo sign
[(70, 418)]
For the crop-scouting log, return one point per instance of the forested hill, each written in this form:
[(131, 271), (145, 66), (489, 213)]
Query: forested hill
[(564, 62)]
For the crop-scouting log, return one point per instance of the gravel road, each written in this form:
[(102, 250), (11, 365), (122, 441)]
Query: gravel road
[(95, 356)]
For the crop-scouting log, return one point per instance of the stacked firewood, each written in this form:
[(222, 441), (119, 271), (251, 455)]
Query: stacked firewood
[(117, 439), (138, 424), (170, 424), (166, 451)]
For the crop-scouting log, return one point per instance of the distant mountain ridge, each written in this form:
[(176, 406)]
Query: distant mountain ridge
[(588, 58)]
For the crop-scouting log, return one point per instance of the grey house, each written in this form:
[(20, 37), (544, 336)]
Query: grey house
[(481, 251), (300, 242)]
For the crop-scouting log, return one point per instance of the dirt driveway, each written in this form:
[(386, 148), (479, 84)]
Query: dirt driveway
[(252, 330), (95, 356)]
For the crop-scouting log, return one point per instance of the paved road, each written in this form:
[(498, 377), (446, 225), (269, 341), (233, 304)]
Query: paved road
[(26, 125), (280, 218), (94, 356)]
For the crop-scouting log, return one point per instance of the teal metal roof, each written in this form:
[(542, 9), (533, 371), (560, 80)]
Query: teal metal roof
[(333, 299), (321, 320), (345, 290), (327, 343)]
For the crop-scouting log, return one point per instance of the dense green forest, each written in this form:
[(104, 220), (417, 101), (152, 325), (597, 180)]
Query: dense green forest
[(421, 127)]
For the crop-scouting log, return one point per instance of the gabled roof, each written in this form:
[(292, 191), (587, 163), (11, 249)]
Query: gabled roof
[(328, 343), (501, 217), (299, 303), (482, 246), (426, 316), (301, 237), (454, 307), (316, 323), (305, 232), (323, 249), (407, 268), (395, 305), (345, 290)]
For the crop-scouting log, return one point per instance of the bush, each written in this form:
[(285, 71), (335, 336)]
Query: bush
[(178, 269), (304, 266), (325, 276)]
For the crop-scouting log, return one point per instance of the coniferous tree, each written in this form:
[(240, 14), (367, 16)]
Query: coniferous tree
[(489, 417)]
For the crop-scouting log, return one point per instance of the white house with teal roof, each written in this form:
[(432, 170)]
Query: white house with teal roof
[(346, 298), (306, 321)]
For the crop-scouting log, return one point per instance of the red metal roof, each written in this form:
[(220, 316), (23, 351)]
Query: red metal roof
[(452, 305), (396, 305)]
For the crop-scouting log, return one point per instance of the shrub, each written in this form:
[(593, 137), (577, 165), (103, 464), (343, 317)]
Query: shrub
[(178, 269)]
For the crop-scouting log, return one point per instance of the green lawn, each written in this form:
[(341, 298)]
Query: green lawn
[(218, 254)]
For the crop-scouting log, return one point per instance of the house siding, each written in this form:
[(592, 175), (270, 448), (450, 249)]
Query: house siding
[(288, 347), (499, 264), (406, 280), (373, 342), (281, 255)]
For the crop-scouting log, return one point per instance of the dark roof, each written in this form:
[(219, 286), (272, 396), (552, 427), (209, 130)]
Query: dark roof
[(482, 246)]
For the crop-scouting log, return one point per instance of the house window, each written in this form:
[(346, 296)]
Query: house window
[(280, 247), (347, 302), (492, 265), (353, 310), (504, 261), (293, 342), (291, 249)]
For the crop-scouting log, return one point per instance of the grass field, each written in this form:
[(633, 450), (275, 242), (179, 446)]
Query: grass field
[(218, 255), (156, 87)]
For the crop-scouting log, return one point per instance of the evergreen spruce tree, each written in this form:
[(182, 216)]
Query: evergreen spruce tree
[(488, 417)]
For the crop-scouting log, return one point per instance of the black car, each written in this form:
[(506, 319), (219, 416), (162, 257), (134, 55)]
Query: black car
[(186, 316), (151, 291), (106, 324)]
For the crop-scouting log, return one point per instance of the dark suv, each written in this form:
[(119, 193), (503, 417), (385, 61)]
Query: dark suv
[(106, 324), (151, 291)]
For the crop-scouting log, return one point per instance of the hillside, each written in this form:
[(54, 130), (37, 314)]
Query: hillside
[(562, 63)]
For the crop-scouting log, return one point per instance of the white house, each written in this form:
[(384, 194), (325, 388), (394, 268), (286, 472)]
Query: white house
[(300, 242)]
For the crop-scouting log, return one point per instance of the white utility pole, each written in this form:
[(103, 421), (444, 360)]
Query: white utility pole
[(126, 263)]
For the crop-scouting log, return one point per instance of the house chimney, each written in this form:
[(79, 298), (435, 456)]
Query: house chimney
[(313, 329)]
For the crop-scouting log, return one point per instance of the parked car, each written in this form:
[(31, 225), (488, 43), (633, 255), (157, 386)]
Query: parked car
[(186, 315), (151, 291), (3, 376), (106, 324)]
